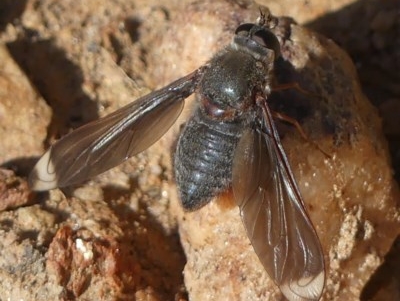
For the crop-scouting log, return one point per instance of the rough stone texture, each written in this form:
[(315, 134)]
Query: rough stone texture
[(21, 112), (116, 238), (351, 195), (370, 34), (14, 191)]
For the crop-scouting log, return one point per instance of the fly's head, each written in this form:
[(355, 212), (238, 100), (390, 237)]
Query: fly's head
[(261, 43), (257, 40)]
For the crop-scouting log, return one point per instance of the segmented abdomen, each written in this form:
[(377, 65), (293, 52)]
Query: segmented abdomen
[(203, 159)]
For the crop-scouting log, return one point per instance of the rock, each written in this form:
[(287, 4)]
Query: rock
[(23, 113), (116, 237), (14, 191), (350, 193), (101, 242)]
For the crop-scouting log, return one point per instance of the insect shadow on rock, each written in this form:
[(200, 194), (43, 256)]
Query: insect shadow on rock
[(230, 141)]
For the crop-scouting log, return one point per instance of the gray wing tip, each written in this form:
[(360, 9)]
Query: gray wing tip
[(43, 176), (304, 289)]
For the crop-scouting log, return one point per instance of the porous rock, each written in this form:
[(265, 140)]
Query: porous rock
[(116, 238)]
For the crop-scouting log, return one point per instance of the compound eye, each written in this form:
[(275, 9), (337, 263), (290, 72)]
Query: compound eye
[(244, 29), (268, 40)]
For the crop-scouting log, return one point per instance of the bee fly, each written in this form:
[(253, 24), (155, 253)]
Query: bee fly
[(230, 141)]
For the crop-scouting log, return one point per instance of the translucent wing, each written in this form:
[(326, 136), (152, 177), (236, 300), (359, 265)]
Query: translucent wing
[(274, 216), (107, 142)]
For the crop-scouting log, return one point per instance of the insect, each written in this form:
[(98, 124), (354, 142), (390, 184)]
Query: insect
[(230, 141)]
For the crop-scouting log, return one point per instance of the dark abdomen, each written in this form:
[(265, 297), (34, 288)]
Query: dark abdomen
[(203, 159)]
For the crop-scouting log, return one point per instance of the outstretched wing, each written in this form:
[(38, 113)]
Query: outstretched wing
[(107, 142), (273, 213)]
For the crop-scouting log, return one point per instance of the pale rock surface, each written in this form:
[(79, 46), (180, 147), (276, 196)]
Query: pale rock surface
[(116, 238)]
